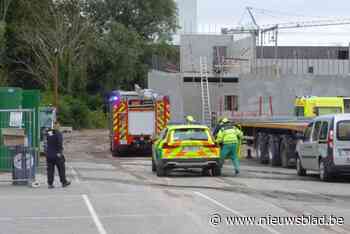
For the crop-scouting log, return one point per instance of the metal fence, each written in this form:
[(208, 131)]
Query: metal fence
[(19, 149)]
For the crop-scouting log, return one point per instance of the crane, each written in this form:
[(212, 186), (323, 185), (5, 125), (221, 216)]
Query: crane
[(261, 30)]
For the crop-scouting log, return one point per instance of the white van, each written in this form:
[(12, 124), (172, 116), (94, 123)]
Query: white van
[(325, 147)]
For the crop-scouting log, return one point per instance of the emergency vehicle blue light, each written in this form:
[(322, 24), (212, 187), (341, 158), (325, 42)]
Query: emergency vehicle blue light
[(115, 98)]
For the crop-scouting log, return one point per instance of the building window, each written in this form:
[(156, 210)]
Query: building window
[(310, 70), (343, 54), (231, 103)]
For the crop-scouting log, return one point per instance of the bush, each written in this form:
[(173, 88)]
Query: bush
[(47, 98), (78, 112), (94, 103), (98, 119)]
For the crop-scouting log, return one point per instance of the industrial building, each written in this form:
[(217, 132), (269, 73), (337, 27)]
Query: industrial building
[(185, 91), (246, 79)]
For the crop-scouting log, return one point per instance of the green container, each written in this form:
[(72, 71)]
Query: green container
[(31, 100), (10, 98)]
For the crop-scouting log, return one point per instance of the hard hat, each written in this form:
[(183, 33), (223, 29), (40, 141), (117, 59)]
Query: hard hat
[(190, 118), (224, 120)]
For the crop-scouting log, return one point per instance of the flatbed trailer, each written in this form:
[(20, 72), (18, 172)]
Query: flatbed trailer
[(273, 139)]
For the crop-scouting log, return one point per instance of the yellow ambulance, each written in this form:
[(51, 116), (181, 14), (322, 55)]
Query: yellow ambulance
[(315, 106)]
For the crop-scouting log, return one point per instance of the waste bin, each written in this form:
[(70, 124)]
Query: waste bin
[(24, 161)]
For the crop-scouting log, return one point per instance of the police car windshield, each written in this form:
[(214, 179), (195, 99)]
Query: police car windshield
[(190, 134)]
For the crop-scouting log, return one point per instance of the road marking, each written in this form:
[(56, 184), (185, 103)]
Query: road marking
[(237, 213), (94, 215), (75, 175)]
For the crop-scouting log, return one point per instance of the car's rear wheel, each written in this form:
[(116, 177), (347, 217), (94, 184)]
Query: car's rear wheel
[(160, 171), (216, 171), (205, 172), (116, 153)]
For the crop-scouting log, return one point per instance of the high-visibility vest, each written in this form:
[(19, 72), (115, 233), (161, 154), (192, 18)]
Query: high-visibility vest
[(229, 135)]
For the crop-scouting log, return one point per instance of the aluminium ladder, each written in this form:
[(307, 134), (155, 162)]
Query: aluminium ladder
[(206, 110)]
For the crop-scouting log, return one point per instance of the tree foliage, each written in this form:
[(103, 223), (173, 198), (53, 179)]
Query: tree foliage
[(96, 45), (133, 30), (57, 35), (4, 6), (117, 57), (152, 19)]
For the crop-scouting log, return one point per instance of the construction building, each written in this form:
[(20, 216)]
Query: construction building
[(248, 78), (224, 67)]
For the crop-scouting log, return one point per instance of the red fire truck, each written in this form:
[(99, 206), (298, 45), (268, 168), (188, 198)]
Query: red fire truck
[(134, 117)]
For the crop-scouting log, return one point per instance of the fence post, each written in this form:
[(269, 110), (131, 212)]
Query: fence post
[(260, 105), (270, 103)]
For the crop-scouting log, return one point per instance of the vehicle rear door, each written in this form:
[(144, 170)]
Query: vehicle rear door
[(310, 149), (314, 149), (304, 146), (192, 143), (342, 142), (322, 146)]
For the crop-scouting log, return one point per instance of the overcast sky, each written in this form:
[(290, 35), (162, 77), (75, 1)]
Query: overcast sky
[(212, 15)]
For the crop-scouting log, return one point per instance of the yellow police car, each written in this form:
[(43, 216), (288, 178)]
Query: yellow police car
[(185, 146)]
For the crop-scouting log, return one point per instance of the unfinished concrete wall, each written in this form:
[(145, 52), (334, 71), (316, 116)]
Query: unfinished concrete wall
[(244, 52), (185, 97), (285, 88), (168, 84), (193, 46), (240, 53)]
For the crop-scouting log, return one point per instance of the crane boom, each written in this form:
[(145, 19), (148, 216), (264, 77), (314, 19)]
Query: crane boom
[(288, 25), (308, 24)]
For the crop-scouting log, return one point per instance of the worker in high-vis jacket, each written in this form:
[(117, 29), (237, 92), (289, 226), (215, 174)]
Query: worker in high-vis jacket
[(229, 137)]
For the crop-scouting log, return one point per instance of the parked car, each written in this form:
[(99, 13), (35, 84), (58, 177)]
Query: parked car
[(325, 147), (185, 146)]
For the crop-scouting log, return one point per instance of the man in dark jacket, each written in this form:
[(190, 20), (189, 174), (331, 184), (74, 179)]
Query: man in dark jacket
[(54, 156)]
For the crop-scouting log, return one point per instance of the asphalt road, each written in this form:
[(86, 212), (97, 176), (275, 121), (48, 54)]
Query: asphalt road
[(121, 195)]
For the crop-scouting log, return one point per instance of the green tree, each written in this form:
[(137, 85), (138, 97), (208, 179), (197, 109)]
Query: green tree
[(4, 6), (130, 32), (93, 45), (17, 55), (57, 36), (152, 19), (117, 57)]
